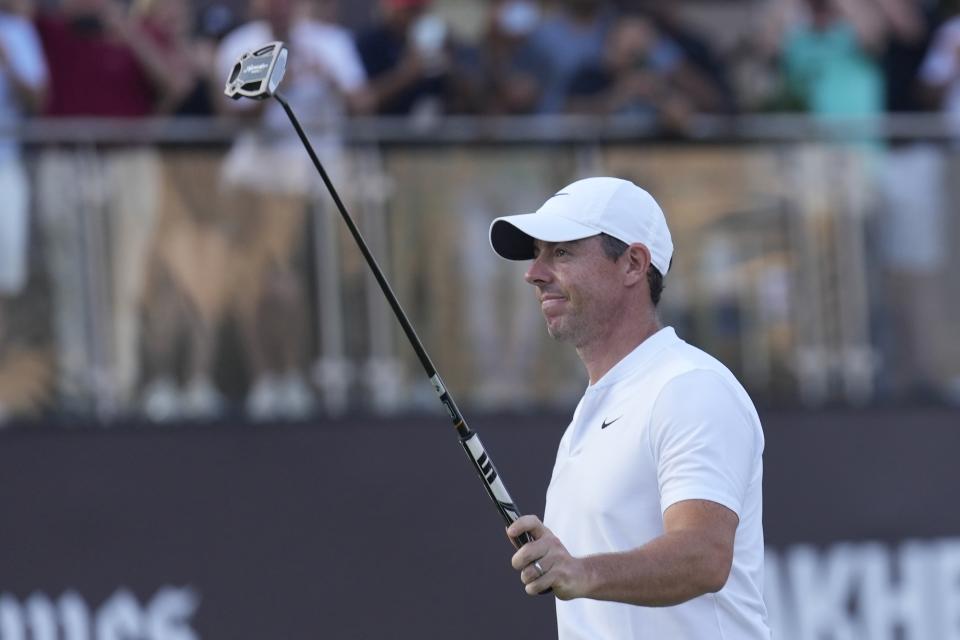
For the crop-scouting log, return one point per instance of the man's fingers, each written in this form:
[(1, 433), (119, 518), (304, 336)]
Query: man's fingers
[(539, 585), (531, 572), (526, 524), (536, 579), (528, 554)]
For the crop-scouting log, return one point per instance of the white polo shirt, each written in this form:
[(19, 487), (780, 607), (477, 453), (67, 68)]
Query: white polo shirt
[(665, 424)]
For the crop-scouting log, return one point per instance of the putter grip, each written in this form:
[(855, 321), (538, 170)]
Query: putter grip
[(495, 487), (519, 542), (522, 540)]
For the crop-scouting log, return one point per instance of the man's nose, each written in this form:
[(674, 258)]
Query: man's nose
[(537, 273)]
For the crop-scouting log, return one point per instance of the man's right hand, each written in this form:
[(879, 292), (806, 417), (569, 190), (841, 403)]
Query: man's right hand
[(545, 563)]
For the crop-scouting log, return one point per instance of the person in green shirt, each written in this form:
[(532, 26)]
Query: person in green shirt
[(829, 63)]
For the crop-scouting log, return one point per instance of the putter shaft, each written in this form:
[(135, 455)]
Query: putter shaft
[(482, 462)]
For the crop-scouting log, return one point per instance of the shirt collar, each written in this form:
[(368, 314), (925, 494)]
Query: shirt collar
[(637, 358)]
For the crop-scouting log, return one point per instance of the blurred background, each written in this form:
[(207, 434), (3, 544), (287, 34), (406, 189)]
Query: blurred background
[(210, 424)]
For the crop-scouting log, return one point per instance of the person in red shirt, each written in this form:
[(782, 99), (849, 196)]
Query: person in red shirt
[(102, 61), (97, 204)]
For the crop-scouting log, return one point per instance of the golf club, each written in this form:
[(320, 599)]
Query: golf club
[(256, 75)]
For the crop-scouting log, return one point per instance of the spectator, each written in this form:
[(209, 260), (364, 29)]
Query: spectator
[(940, 71), (642, 73), (399, 78), (185, 291), (848, 57), (709, 87), (909, 25), (325, 80), (564, 44), (103, 63), (830, 60), (415, 65), (916, 233), (23, 83), (754, 64), (189, 40), (508, 76), (185, 281)]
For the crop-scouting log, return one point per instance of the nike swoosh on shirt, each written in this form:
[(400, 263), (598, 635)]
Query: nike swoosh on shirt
[(607, 424)]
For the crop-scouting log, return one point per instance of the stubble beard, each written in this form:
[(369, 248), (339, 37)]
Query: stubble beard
[(583, 323), (570, 329)]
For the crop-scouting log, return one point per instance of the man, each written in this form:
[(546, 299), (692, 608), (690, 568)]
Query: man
[(398, 69), (507, 80), (23, 86), (103, 63), (831, 62), (572, 38), (940, 71), (643, 72), (653, 517), (324, 82), (417, 65)]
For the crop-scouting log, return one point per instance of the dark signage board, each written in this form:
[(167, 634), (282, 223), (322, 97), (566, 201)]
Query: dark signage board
[(379, 529)]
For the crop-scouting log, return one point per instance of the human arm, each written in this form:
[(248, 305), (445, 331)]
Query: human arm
[(904, 19), (599, 92), (774, 22), (155, 59), (705, 444), (359, 101), (691, 558), (941, 66), (393, 82), (697, 87), (511, 83), (339, 66), (196, 61), (22, 62), (866, 21)]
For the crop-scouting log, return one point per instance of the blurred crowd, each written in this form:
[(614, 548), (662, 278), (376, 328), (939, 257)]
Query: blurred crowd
[(190, 261), (146, 57)]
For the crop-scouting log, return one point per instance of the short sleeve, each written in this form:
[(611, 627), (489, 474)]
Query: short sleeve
[(26, 54), (940, 64), (704, 441), (345, 63)]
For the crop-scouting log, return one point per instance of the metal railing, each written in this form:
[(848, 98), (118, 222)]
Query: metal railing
[(773, 215), (748, 128)]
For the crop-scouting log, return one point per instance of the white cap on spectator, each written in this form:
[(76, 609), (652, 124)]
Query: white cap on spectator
[(587, 208)]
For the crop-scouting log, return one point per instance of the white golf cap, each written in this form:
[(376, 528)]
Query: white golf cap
[(586, 208)]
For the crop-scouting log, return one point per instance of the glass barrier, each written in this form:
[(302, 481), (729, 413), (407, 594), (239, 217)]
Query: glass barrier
[(180, 281)]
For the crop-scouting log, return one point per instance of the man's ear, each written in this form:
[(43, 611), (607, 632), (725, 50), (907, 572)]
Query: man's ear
[(636, 263)]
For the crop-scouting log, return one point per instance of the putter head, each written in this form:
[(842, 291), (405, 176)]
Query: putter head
[(258, 73)]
